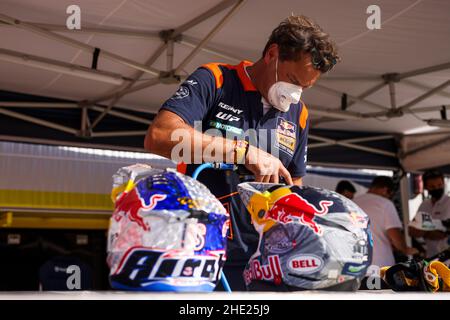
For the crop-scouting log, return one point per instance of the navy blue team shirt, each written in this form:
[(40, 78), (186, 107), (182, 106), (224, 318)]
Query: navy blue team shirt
[(223, 97)]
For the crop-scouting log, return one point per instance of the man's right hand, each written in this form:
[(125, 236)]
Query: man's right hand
[(266, 167)]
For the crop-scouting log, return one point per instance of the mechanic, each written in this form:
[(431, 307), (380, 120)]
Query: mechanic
[(248, 114), (438, 207), (346, 188)]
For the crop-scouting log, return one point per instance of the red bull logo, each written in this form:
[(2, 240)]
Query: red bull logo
[(286, 125), (293, 208), (131, 202), (286, 128), (269, 272)]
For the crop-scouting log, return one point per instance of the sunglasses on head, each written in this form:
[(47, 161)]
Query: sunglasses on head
[(323, 64)]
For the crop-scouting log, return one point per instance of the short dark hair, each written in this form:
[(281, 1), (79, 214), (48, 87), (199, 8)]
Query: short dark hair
[(345, 185), (432, 174), (298, 34), (383, 182)]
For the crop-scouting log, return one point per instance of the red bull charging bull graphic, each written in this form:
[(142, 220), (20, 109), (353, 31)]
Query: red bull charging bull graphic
[(293, 208), (131, 202)]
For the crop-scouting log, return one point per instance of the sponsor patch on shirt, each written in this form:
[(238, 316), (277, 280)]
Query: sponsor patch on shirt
[(286, 136), (181, 93), (226, 127)]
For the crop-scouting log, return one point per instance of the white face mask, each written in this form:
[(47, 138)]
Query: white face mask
[(282, 94)]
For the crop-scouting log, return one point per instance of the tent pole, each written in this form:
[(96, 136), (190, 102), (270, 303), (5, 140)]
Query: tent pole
[(404, 194), (337, 93), (56, 105), (117, 95), (123, 90), (425, 88), (353, 146), (184, 39), (351, 166), (392, 95), (50, 105), (84, 120), (427, 146), (80, 45), (375, 138), (202, 17), (216, 29), (418, 72), (407, 111), (41, 122), (61, 67), (354, 140), (170, 52), (70, 143), (119, 133), (192, 43), (346, 115), (123, 115), (350, 78), (367, 93), (95, 30), (425, 95)]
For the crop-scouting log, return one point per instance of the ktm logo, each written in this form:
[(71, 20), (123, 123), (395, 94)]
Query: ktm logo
[(227, 117)]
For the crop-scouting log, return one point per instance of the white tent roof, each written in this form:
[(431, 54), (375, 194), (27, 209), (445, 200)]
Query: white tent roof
[(414, 36)]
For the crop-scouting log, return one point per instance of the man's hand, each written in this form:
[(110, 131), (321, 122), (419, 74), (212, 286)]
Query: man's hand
[(266, 167)]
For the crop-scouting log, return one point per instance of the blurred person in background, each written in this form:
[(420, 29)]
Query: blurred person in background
[(346, 188), (435, 210), (385, 223)]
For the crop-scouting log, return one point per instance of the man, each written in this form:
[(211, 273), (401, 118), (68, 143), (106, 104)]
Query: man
[(385, 223), (438, 207), (234, 100), (346, 188)]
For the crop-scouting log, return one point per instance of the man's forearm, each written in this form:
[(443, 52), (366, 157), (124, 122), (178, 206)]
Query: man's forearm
[(416, 233), (180, 142), (397, 240)]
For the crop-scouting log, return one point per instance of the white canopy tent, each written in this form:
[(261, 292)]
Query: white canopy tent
[(132, 53)]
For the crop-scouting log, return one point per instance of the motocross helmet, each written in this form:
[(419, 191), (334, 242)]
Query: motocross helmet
[(167, 232), (310, 238)]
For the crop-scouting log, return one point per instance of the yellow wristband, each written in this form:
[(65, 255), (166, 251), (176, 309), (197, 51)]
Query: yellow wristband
[(240, 149)]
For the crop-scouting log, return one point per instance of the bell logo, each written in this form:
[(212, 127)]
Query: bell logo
[(305, 264)]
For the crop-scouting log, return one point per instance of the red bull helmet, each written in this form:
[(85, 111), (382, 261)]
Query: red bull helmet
[(167, 232), (310, 238)]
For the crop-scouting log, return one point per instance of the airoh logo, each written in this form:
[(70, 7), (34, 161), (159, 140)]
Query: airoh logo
[(140, 265)]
